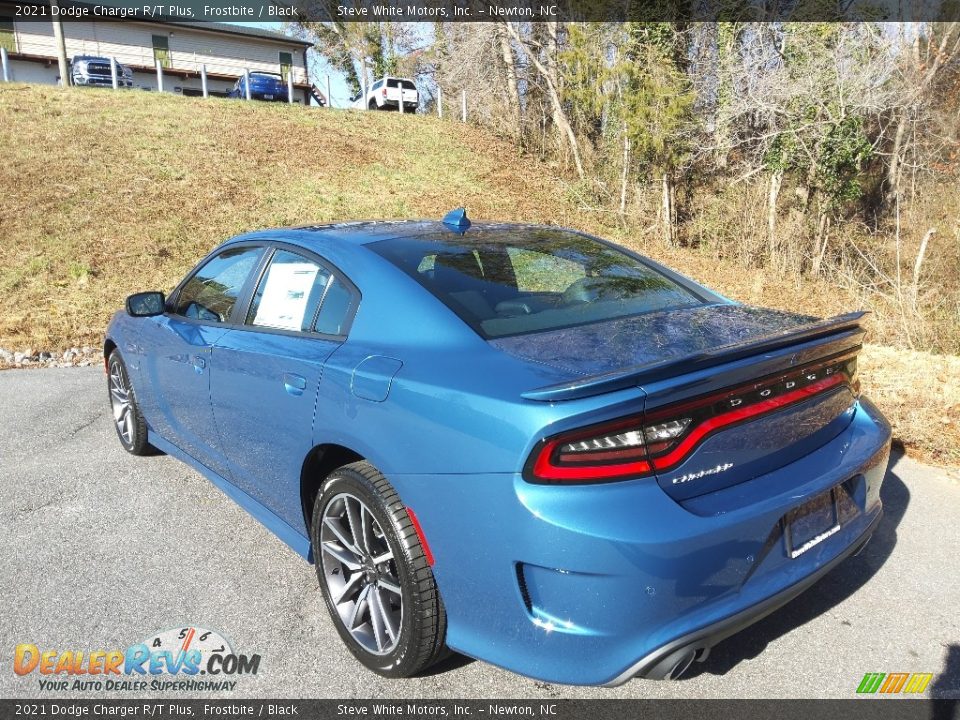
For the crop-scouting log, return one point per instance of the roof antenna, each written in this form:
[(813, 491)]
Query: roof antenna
[(457, 220)]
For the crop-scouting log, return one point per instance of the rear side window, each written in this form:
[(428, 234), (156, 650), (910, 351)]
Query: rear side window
[(212, 292), (335, 311), (289, 293), (510, 281)]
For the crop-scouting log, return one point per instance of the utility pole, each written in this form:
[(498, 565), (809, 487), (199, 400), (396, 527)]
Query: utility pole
[(61, 44)]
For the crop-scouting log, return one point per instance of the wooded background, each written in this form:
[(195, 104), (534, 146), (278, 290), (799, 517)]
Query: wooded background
[(810, 150)]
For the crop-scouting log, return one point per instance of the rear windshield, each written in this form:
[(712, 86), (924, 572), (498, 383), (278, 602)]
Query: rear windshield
[(519, 280), (405, 84)]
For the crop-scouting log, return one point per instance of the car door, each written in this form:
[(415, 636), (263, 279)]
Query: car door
[(177, 353), (267, 375)]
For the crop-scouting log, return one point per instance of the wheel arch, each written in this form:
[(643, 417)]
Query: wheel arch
[(108, 347), (322, 460)]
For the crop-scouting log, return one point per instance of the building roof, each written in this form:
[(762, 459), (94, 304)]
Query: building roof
[(248, 31)]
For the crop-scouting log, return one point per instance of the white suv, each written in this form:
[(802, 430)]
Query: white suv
[(384, 94)]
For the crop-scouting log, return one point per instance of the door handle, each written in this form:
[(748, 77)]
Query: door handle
[(294, 384), (199, 364)]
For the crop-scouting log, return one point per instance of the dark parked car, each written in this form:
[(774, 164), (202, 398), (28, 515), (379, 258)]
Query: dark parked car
[(520, 442), (93, 70), (263, 86)]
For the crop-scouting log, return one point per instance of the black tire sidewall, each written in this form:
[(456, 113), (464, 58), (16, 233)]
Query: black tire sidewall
[(398, 662), (138, 442)]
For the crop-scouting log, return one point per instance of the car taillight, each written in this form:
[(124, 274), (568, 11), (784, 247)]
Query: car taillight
[(643, 445), (384, 92)]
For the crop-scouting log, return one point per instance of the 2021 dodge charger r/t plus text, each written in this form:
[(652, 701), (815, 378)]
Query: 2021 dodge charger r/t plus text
[(518, 442)]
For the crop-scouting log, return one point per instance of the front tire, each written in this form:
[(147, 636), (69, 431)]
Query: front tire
[(127, 419), (375, 578)]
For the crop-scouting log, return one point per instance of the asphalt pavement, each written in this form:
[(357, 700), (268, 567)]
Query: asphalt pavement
[(101, 550)]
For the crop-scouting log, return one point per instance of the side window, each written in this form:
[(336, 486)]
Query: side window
[(161, 50), (213, 290), (8, 38), (377, 85), (286, 64), (543, 272), (333, 316), (289, 293)]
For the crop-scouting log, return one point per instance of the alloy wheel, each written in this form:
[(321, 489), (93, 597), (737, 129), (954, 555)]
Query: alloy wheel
[(120, 402), (361, 574)]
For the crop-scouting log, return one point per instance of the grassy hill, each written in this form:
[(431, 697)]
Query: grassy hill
[(104, 194)]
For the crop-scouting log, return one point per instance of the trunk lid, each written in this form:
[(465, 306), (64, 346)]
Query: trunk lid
[(754, 389)]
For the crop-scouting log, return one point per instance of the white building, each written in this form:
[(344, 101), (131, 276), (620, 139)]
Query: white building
[(180, 47)]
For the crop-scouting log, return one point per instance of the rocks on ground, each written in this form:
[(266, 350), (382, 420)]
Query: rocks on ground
[(74, 356)]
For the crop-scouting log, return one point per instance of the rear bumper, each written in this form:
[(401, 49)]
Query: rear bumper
[(275, 97), (658, 663), (592, 584)]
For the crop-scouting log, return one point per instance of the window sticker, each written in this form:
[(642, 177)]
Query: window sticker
[(285, 295)]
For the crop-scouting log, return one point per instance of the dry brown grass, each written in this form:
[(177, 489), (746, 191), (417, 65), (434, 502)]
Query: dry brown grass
[(108, 193)]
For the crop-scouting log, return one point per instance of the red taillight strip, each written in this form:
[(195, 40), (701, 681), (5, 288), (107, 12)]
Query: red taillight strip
[(544, 469), (734, 416), (423, 540)]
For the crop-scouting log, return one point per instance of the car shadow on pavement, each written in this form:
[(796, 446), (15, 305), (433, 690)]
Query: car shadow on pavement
[(946, 687), (835, 587)]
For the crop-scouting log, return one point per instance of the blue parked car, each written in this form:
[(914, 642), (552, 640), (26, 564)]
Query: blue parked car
[(263, 86), (521, 443)]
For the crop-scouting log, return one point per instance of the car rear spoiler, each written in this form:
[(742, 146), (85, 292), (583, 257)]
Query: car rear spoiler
[(835, 327)]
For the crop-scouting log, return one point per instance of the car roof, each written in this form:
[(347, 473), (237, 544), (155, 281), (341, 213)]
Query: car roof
[(363, 232)]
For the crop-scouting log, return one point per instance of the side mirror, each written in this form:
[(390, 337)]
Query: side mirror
[(146, 304)]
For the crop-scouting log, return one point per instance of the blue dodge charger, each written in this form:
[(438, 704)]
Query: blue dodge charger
[(517, 442)]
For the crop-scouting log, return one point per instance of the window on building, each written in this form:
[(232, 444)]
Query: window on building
[(161, 50), (7, 39), (286, 64)]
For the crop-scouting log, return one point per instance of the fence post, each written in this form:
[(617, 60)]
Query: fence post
[(5, 61), (203, 81), (463, 104), (246, 82), (329, 99), (113, 73), (400, 90), (159, 76), (439, 102), (290, 86)]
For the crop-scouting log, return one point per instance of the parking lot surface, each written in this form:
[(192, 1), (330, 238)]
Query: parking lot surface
[(101, 550)]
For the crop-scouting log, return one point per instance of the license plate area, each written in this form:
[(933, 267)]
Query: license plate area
[(810, 524)]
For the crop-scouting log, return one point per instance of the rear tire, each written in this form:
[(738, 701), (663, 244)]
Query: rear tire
[(127, 419), (375, 578)]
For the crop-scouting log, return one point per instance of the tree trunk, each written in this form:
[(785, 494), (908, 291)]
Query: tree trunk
[(510, 70), (776, 180), (823, 232), (624, 173), (893, 170), (559, 116), (667, 208)]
